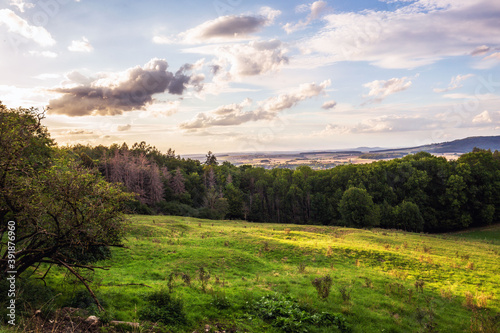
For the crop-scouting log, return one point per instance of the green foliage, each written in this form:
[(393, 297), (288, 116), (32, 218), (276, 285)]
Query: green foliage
[(284, 313), (220, 300), (323, 286), (163, 308), (450, 195), (31, 295), (65, 213), (408, 217), (357, 208)]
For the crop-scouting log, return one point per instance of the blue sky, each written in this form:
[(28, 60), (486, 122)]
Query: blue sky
[(240, 75)]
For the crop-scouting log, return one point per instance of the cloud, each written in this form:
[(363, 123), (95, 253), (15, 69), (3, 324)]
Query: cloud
[(329, 105), (78, 132), (82, 45), (234, 114), (480, 50), (494, 56), (230, 27), (46, 54), (113, 94), (254, 58), (383, 124), (317, 9), (162, 109), (122, 128), (489, 61), (380, 89), (20, 26), (416, 34), (47, 76), (454, 83), (21, 4), (482, 118)]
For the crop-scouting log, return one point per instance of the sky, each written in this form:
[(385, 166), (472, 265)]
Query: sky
[(252, 76)]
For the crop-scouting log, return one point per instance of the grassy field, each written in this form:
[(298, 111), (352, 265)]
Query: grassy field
[(381, 281)]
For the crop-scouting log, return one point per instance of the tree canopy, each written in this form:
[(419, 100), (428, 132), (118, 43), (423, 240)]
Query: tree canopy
[(64, 213)]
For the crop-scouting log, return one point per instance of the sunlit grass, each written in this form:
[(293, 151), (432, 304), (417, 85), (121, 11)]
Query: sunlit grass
[(245, 260)]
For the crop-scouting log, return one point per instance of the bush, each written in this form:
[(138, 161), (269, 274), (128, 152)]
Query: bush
[(284, 313), (323, 286), (163, 308), (176, 208), (31, 295)]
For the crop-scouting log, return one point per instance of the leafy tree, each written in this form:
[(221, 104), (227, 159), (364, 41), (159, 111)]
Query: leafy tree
[(65, 214), (211, 159), (357, 208), (408, 217)]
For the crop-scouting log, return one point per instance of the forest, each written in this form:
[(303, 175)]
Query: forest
[(419, 192)]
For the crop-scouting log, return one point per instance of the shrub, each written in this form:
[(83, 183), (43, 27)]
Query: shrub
[(284, 313), (220, 301), (345, 293), (162, 307), (323, 286), (204, 277)]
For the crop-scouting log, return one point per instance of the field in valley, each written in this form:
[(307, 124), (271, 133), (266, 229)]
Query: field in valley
[(234, 275)]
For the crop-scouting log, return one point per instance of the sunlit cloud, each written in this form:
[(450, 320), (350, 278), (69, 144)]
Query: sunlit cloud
[(82, 45), (20, 26)]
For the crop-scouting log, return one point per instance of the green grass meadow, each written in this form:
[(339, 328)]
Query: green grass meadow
[(382, 281)]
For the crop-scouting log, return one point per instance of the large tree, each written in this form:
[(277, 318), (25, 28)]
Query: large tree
[(64, 213), (357, 208)]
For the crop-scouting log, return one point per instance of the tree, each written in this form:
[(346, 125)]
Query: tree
[(408, 217), (177, 183), (357, 208), (63, 213), (211, 159)]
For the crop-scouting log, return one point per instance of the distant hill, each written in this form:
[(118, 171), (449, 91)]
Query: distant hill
[(460, 146)]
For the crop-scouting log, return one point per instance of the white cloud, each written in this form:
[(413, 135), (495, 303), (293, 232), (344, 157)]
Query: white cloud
[(47, 76), (82, 45), (224, 28), (46, 54), (454, 83), (489, 61), (162, 109), (384, 124), (20, 26), (417, 34), (380, 89), (234, 114), (317, 9), (482, 118), (329, 105), (254, 58), (21, 4)]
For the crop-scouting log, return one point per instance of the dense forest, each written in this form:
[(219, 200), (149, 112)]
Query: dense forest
[(419, 192)]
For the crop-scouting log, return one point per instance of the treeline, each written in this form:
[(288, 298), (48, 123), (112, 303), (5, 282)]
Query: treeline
[(419, 192)]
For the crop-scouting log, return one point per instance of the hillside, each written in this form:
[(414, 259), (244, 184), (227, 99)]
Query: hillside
[(460, 146), (381, 280)]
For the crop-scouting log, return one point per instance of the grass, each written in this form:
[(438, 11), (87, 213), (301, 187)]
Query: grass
[(381, 281)]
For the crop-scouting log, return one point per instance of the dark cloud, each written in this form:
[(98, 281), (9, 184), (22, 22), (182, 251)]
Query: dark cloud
[(116, 93), (231, 26), (329, 105)]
